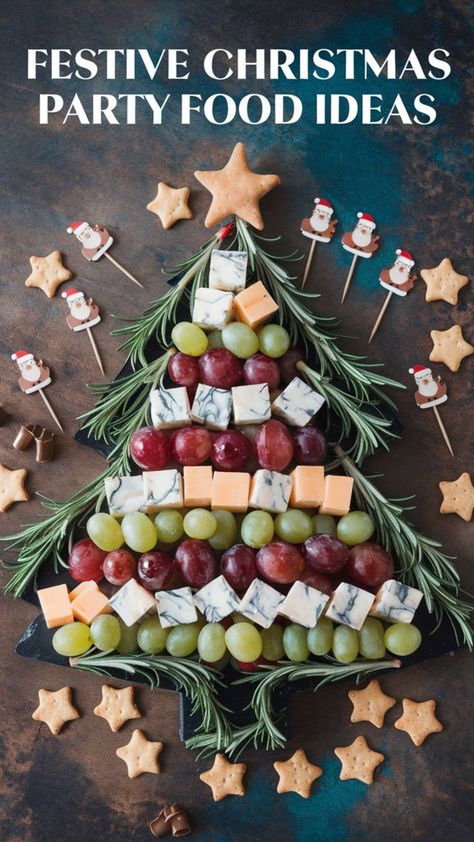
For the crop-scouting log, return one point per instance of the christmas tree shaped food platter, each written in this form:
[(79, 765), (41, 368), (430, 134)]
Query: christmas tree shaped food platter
[(266, 559)]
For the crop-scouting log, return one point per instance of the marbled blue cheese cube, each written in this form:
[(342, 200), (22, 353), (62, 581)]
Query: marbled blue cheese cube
[(213, 308), (175, 607), (349, 605), (124, 495), (216, 600), (132, 602), (251, 404), (169, 408), (270, 491), (162, 490), (297, 404), (303, 605), (212, 407), (228, 270), (396, 602), (260, 603)]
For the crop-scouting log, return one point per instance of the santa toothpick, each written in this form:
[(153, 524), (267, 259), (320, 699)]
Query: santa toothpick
[(361, 242), (430, 393), (34, 377), (398, 280), (83, 315), (319, 228), (96, 242)]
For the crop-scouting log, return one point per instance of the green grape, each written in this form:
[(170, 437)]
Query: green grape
[(294, 642), (273, 340), (324, 525), (371, 639), (214, 339), (72, 640), (319, 639), (105, 632), (345, 644), (182, 640), (169, 526), (152, 638), (240, 339), (402, 639), (200, 523), (244, 642), (211, 642), (355, 527), (128, 638), (105, 532), (272, 639), (139, 532), (189, 338), (294, 526), (257, 529), (226, 533)]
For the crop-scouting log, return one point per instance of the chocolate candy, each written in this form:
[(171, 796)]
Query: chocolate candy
[(45, 446), (172, 818), (26, 435)]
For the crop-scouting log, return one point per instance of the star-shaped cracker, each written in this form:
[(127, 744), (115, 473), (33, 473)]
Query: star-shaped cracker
[(443, 283), (236, 190), (140, 755), (297, 774), (224, 778), (117, 706), (458, 497), (450, 347), (370, 704), (55, 708), (359, 762), (12, 487), (170, 204), (418, 720), (48, 273)]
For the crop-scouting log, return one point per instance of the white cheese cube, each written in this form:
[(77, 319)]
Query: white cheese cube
[(132, 602), (216, 600), (251, 404), (396, 602), (124, 495), (228, 270), (169, 408), (270, 491), (349, 605), (212, 407), (298, 403), (303, 605), (175, 607), (260, 603), (162, 490), (213, 308)]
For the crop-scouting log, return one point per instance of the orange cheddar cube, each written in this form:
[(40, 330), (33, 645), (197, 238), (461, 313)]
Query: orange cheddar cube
[(337, 495), (308, 487), (89, 604), (254, 305), (230, 490), (197, 485), (81, 588), (55, 605)]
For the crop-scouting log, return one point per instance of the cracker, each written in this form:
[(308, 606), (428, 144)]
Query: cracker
[(170, 204), (443, 283), (224, 778), (117, 706), (458, 497), (12, 487), (359, 762), (55, 708), (140, 755), (450, 347), (48, 273), (418, 720), (297, 774), (370, 704)]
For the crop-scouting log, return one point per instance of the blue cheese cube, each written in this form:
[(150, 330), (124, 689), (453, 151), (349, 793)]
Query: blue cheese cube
[(216, 600), (124, 495), (349, 605), (396, 602), (162, 490), (175, 607), (228, 270), (132, 602), (213, 308), (303, 605), (297, 404), (260, 603), (212, 407), (251, 404), (270, 491), (169, 408)]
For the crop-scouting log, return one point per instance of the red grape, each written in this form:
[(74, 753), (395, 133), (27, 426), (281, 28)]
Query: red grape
[(369, 565), (310, 446), (317, 580), (86, 561), (183, 369), (191, 445), (274, 445), (220, 368), (149, 449), (196, 563), (230, 450), (155, 570), (238, 566), (119, 567), (280, 562), (261, 369), (325, 553), (288, 362)]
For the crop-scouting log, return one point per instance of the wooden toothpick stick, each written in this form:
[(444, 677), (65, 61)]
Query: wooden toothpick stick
[(96, 241), (308, 264), (50, 409), (349, 278), (83, 314), (443, 429), (319, 228), (380, 316), (397, 280), (125, 272), (96, 350), (429, 394), (361, 242)]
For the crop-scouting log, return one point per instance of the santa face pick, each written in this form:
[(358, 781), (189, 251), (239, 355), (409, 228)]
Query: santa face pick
[(96, 242), (34, 377), (319, 227), (398, 280), (430, 392), (83, 314), (361, 242)]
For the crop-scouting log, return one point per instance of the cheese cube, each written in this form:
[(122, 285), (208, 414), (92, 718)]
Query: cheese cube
[(197, 485), (176, 607), (55, 605), (396, 602), (251, 404), (213, 309), (216, 600), (230, 490), (349, 605), (254, 305), (169, 407), (298, 403), (270, 491), (81, 588), (162, 490), (308, 486), (132, 602), (89, 604), (124, 495), (337, 495), (303, 605), (260, 603), (228, 270), (212, 407)]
